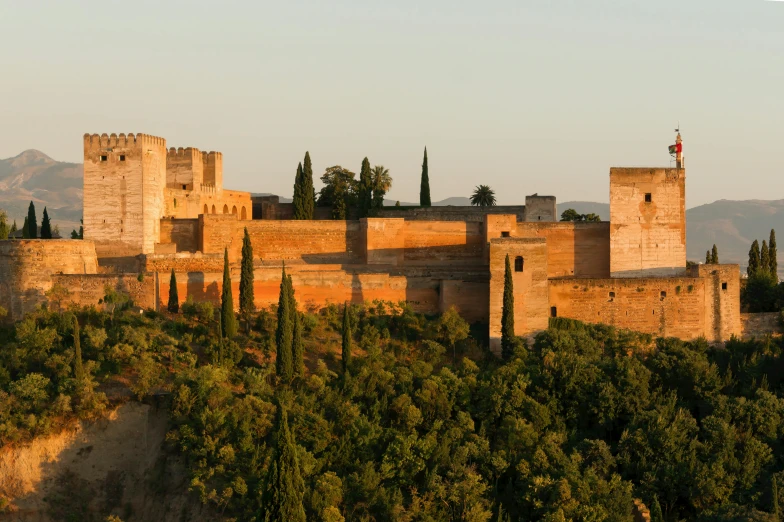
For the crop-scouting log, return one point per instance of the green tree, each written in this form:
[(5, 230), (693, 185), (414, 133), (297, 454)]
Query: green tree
[(78, 370), (424, 187), (764, 265), (775, 494), (173, 305), (365, 189), (25, 232), (299, 200), (297, 343), (285, 488), (708, 258), (346, 344), (4, 230), (715, 255), (284, 332), (246, 277), (773, 253), (572, 215), (507, 314), (452, 329), (656, 511), (483, 196), (309, 191), (754, 258), (13, 228), (382, 182), (32, 222), (80, 234), (228, 319), (339, 191), (46, 226)]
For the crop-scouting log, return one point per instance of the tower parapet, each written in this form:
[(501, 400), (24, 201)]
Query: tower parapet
[(213, 169), (184, 168)]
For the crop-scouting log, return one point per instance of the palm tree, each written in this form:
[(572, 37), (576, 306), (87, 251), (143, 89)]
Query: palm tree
[(483, 196), (382, 182)]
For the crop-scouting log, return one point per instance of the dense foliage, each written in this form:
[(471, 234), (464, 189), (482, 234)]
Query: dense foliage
[(572, 427), (571, 214)]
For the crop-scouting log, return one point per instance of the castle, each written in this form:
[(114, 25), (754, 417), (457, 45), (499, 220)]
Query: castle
[(149, 210)]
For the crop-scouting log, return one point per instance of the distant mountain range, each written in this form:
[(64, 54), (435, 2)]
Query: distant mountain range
[(731, 225)]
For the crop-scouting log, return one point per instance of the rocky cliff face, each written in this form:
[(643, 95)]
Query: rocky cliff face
[(114, 466)]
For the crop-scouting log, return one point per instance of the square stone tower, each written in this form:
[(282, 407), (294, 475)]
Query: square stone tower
[(184, 169), (647, 222), (124, 181)]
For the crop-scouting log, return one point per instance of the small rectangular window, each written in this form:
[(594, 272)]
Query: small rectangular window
[(104, 158), (553, 311), (122, 157), (648, 197), (504, 234), (663, 293), (612, 294), (724, 286)]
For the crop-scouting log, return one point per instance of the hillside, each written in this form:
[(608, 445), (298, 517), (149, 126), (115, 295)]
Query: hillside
[(34, 176)]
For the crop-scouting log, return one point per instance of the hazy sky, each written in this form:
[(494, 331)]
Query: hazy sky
[(523, 95)]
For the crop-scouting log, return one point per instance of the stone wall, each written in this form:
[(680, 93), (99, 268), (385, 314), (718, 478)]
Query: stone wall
[(648, 222), (760, 325), (27, 267), (183, 233), (89, 289), (428, 243), (529, 282), (722, 300), (540, 209), (184, 168), (453, 213), (573, 249)]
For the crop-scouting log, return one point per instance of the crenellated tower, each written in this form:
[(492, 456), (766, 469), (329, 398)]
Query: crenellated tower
[(124, 181)]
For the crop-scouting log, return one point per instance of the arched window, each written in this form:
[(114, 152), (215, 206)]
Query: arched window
[(234, 210), (206, 210), (225, 209), (213, 209), (519, 264), (244, 213)]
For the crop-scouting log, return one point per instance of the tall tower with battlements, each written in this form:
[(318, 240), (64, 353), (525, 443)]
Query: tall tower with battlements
[(124, 181)]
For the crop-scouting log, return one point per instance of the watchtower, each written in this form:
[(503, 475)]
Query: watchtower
[(124, 179)]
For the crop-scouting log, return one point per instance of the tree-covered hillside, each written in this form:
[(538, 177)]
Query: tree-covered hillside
[(574, 426)]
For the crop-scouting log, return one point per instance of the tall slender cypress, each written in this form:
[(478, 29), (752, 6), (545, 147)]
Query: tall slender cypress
[(285, 489), (32, 222), (228, 319), (4, 230), (507, 314), (25, 232), (309, 190), (46, 226), (78, 370), (346, 347), (656, 511), (708, 257), (754, 258), (424, 188), (775, 494), (297, 344), (284, 331), (298, 200), (773, 252), (764, 264), (246, 277), (365, 191), (173, 306), (715, 255)]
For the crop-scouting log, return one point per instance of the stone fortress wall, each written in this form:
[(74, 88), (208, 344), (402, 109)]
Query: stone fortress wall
[(629, 272)]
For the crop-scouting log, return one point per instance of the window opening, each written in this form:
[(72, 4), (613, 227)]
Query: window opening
[(519, 264)]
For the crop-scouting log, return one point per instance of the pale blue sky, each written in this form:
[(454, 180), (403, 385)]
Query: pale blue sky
[(526, 95)]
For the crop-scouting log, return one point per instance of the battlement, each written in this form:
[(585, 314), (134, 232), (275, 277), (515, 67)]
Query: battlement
[(122, 140), (180, 152), (211, 156)]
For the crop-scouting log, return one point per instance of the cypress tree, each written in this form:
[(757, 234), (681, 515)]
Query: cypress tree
[(707, 257), (25, 232), (297, 344), (299, 197), (174, 300), (32, 222), (507, 314), (773, 252), (656, 511), (3, 226), (13, 228), (754, 258), (346, 352), (715, 256), (284, 331), (309, 190), (424, 188), (228, 319), (46, 226), (365, 190), (285, 488), (764, 264), (246, 276), (775, 494), (78, 370)]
